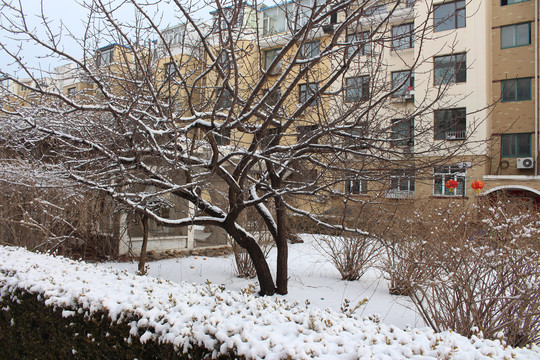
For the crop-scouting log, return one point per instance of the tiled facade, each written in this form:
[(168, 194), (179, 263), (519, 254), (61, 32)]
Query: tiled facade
[(514, 121)]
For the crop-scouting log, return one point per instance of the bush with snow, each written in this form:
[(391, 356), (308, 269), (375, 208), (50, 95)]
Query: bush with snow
[(224, 322), (473, 268)]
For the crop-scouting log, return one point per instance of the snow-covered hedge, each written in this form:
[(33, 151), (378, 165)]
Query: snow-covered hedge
[(187, 315)]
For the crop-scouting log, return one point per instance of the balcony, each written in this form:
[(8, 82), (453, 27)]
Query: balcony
[(455, 135)]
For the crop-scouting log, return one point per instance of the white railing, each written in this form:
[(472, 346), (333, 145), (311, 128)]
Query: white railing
[(455, 135)]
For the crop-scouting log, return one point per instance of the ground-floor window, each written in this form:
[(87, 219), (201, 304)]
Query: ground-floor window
[(442, 174), (356, 186)]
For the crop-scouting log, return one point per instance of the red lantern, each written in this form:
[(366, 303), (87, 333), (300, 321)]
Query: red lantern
[(451, 185), (478, 185)]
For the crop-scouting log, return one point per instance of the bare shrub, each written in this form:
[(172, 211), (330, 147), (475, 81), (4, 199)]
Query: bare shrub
[(482, 272), (63, 219), (351, 254), (401, 264)]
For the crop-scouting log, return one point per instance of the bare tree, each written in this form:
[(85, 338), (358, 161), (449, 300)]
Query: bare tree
[(258, 107)]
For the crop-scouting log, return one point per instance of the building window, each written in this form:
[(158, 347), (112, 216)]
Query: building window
[(174, 36), (355, 137), (304, 133), (71, 91), (402, 132), (450, 124), (358, 41), (224, 61), (223, 137), (105, 56), (515, 35), (516, 89), (444, 173), (401, 186), (357, 88), (402, 36), (170, 70), (308, 92), (510, 2), (310, 49), (224, 100), (273, 97), (356, 186), (450, 69), (270, 135), (269, 56), (402, 83), (516, 145), (450, 15)]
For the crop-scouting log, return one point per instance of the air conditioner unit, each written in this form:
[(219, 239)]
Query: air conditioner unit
[(525, 163)]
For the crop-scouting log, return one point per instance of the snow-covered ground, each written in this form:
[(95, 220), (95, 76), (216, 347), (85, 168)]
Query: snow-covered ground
[(311, 278), (224, 321)]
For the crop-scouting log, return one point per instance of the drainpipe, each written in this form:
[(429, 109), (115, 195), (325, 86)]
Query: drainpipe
[(536, 88)]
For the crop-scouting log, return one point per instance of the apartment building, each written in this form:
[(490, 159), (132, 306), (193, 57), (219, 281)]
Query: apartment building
[(459, 78), (514, 124)]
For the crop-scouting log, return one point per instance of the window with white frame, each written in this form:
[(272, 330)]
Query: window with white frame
[(450, 69), (402, 83), (355, 186), (308, 92), (310, 49), (105, 56), (358, 41), (357, 88), (269, 56), (170, 70), (450, 124), (449, 15), (515, 35), (402, 36), (442, 174), (402, 184), (71, 91), (174, 36)]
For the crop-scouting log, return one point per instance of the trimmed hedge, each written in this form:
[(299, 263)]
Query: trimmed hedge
[(31, 330)]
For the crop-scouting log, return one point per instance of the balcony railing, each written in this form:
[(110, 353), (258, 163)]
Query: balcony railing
[(399, 194), (455, 135)]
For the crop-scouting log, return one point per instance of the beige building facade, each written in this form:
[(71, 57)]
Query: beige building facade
[(514, 126)]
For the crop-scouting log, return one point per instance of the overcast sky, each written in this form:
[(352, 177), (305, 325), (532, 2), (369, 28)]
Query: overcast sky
[(71, 14)]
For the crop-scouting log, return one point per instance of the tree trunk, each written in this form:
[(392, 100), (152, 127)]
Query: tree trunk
[(282, 249), (142, 257), (266, 283)]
